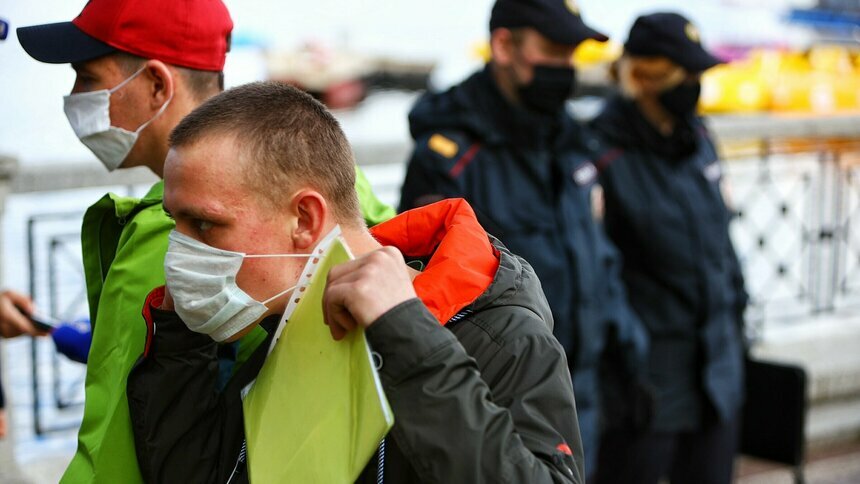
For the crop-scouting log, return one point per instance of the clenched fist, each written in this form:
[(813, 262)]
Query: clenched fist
[(358, 292)]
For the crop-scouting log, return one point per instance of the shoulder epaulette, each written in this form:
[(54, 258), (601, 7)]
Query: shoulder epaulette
[(443, 145)]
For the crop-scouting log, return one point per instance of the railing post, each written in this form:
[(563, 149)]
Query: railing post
[(826, 238), (9, 470), (8, 169), (841, 226)]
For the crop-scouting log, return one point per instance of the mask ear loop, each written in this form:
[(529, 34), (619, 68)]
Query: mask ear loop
[(276, 296), (301, 285), (304, 281), (126, 81), (268, 256), (160, 110), (159, 113), (271, 256)]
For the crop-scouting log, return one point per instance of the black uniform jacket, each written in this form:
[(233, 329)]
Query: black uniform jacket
[(530, 180), (665, 212)]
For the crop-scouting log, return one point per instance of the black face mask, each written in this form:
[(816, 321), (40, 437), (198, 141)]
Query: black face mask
[(549, 89), (681, 100)]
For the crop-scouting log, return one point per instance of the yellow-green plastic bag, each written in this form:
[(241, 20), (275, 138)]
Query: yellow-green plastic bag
[(317, 411)]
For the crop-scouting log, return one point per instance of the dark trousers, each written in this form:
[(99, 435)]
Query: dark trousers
[(705, 456)]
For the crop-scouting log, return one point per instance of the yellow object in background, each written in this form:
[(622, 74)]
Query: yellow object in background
[(317, 411), (822, 81), (816, 92), (727, 89), (587, 54), (481, 50), (591, 52), (830, 83), (831, 58)]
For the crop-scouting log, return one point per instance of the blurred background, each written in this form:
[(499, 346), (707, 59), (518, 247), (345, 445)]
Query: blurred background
[(786, 110)]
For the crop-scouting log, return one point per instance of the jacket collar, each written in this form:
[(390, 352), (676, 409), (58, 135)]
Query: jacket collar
[(463, 262), (509, 123), (623, 124)]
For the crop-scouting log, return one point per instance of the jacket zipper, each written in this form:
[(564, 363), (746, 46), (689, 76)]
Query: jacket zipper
[(458, 317), (380, 463), (380, 459), (240, 460), (380, 453)]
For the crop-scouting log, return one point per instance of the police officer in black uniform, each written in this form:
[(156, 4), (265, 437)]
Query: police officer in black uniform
[(665, 212), (503, 140)]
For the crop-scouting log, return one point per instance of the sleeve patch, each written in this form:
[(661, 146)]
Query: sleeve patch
[(443, 145)]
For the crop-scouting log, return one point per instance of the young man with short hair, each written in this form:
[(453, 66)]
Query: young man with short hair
[(478, 385)]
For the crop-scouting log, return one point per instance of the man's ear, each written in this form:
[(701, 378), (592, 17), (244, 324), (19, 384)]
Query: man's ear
[(501, 46), (162, 83), (311, 213)]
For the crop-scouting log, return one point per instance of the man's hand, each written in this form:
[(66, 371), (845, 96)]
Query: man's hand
[(2, 423), (14, 308), (358, 292)]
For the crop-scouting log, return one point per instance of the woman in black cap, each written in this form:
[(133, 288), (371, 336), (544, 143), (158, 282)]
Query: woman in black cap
[(665, 213)]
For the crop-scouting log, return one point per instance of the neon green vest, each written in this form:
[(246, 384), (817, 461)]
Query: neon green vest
[(124, 240)]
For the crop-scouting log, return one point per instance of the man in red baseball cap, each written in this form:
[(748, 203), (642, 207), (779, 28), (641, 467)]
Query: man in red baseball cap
[(141, 67)]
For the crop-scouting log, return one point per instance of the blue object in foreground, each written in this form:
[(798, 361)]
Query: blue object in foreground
[(73, 340)]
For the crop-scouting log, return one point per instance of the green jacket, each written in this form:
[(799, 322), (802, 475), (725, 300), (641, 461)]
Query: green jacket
[(124, 240)]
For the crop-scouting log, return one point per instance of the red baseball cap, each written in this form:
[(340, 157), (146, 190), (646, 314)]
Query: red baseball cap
[(187, 33)]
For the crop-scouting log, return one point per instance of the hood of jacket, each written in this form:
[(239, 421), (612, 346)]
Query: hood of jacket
[(465, 269)]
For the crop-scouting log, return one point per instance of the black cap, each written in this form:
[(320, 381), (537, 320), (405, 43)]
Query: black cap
[(672, 36), (61, 43), (558, 20)]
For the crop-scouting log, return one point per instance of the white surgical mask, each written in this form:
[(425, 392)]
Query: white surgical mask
[(202, 281), (89, 115)]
